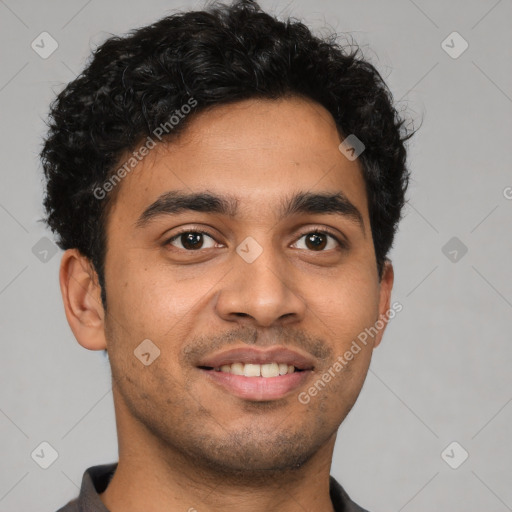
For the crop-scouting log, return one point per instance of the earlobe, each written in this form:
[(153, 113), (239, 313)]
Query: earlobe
[(81, 294), (386, 286)]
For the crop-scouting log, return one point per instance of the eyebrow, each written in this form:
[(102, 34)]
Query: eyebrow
[(324, 203)]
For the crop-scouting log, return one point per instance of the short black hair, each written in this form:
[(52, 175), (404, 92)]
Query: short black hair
[(225, 53)]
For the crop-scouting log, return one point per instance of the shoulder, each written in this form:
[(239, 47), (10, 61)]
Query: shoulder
[(94, 481), (341, 500)]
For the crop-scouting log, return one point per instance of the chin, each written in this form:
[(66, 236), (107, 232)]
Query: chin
[(255, 455)]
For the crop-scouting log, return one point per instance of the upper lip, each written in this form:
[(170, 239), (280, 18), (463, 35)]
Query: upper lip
[(254, 356)]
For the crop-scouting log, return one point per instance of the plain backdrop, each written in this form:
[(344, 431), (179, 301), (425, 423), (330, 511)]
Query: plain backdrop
[(442, 374)]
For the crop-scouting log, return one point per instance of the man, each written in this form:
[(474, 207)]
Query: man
[(226, 187)]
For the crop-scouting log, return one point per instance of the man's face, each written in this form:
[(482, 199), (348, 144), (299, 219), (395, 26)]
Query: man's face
[(258, 279)]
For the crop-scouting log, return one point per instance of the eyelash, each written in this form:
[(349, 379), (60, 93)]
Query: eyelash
[(323, 231)]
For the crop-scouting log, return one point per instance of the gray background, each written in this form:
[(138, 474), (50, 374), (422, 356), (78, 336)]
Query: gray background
[(442, 373)]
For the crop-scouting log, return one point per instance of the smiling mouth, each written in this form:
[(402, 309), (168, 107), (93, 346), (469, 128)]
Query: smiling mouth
[(255, 374), (257, 382)]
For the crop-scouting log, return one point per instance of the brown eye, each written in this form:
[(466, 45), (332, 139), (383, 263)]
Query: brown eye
[(318, 241), (190, 240)]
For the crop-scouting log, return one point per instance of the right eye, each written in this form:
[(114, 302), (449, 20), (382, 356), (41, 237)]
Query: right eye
[(190, 240)]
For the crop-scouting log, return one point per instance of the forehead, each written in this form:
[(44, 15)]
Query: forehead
[(259, 151)]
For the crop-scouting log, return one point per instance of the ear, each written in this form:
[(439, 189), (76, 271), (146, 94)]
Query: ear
[(386, 285), (81, 294)]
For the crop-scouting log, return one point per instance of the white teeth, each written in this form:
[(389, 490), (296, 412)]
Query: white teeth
[(237, 369), (270, 370), (257, 370), (252, 370)]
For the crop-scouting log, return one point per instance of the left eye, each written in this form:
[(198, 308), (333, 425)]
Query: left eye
[(317, 240), (194, 240)]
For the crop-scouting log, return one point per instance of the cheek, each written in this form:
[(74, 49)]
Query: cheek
[(347, 303), (154, 300)]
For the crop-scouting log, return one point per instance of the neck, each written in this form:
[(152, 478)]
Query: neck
[(154, 475)]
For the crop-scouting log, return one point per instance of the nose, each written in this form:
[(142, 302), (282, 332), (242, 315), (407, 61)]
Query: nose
[(262, 293)]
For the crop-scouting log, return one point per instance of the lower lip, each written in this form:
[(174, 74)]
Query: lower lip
[(258, 388)]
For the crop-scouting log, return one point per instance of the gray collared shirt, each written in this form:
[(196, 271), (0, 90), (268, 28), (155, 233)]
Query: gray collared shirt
[(97, 478)]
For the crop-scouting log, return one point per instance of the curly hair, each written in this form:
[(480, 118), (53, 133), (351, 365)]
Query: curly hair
[(222, 54)]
